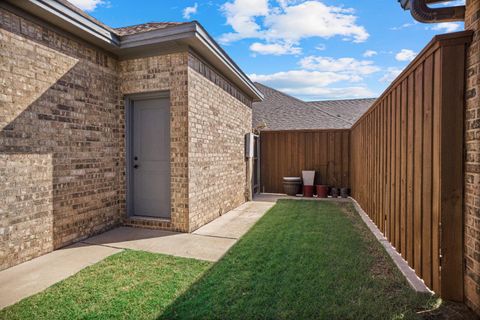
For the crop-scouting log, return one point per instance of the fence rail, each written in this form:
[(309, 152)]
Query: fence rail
[(287, 153), (406, 163)]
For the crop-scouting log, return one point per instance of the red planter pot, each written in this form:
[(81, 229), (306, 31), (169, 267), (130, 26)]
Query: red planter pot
[(308, 191), (322, 191)]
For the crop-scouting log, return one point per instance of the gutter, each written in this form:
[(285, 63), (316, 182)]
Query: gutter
[(423, 13)]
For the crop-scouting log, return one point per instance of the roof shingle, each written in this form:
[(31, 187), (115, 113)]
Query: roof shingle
[(145, 27), (280, 111), (349, 110)]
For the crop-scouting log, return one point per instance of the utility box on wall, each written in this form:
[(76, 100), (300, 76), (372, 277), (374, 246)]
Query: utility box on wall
[(249, 145)]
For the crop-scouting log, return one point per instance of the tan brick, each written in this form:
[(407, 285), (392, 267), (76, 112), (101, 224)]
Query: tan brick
[(472, 160)]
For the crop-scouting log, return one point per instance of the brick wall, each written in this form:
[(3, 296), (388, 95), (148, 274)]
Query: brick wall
[(472, 161), (60, 140), (218, 117), (162, 73)]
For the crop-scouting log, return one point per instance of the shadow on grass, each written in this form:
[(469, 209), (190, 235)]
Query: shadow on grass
[(303, 260)]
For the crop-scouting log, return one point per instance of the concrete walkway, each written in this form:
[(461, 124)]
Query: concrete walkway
[(40, 273), (210, 242)]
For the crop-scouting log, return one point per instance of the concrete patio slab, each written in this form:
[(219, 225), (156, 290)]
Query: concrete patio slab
[(38, 274), (185, 245), (209, 242), (237, 222)]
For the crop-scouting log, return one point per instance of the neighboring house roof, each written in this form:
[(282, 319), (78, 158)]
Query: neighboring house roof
[(349, 110), (140, 40), (279, 111)]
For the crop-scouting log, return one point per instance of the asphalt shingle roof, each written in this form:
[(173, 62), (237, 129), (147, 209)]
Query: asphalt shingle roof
[(349, 110), (144, 27), (279, 111)]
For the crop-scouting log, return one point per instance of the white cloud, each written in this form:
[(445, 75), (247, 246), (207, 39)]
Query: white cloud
[(313, 85), (322, 78), (390, 74), (315, 93), (276, 49), (404, 26), (290, 22), (189, 11), (321, 47), (241, 16), (445, 27), (352, 67), (370, 53), (87, 5), (299, 79), (405, 55), (313, 19), (285, 3)]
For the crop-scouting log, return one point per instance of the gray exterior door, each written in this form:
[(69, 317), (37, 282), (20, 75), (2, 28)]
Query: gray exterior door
[(151, 158)]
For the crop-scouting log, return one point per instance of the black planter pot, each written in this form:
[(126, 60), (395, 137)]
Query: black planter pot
[(344, 192), (334, 192)]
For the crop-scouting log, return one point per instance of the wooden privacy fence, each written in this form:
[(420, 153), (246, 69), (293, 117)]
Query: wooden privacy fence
[(287, 153), (407, 158)]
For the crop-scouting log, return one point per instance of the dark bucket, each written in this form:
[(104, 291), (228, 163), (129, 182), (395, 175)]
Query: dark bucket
[(334, 192), (308, 191), (322, 191)]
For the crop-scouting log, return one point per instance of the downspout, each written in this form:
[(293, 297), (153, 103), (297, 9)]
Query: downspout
[(423, 13)]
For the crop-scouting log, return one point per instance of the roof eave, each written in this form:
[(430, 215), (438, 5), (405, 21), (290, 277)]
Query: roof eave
[(64, 17), (217, 50), (191, 34)]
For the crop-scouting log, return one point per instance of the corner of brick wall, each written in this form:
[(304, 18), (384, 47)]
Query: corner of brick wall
[(219, 116), (61, 140), (472, 161)]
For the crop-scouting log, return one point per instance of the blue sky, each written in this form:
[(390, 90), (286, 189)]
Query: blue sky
[(313, 50)]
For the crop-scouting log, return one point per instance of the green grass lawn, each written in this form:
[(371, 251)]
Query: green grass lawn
[(302, 260), (127, 285)]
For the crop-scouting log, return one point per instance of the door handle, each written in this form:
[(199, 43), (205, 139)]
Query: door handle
[(135, 166)]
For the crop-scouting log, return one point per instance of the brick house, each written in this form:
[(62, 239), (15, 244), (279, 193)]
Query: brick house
[(99, 127)]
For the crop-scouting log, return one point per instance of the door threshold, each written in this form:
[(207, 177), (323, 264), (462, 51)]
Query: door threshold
[(149, 222), (149, 218)]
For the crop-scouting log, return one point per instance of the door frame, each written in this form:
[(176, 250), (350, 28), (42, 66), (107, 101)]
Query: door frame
[(129, 102)]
